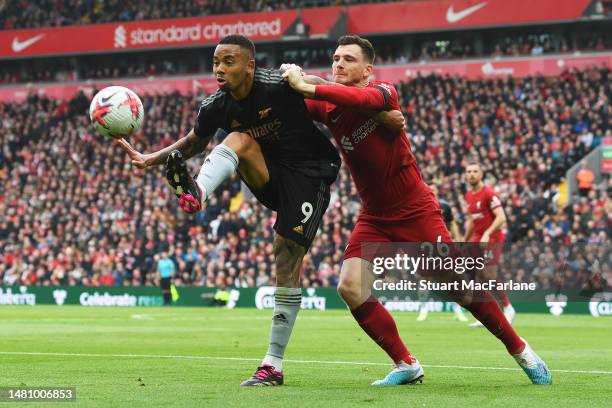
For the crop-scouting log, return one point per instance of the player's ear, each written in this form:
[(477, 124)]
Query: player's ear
[(251, 66), (367, 71)]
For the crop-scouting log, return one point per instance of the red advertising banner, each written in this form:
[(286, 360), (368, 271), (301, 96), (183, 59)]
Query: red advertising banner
[(143, 34), (271, 26), (548, 66), (448, 14)]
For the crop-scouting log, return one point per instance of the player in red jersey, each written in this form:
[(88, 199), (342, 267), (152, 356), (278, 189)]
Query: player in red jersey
[(486, 218), (397, 206)]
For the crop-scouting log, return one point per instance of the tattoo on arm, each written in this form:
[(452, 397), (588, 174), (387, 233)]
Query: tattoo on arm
[(315, 80), (189, 146)]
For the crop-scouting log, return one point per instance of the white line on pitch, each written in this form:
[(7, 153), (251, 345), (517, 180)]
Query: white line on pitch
[(28, 353)]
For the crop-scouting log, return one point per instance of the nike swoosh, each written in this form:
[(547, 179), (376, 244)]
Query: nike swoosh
[(19, 46), (104, 100), (453, 17), (337, 118)]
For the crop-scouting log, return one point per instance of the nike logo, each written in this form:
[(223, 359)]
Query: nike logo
[(104, 100), (453, 17), (19, 46), (337, 118)]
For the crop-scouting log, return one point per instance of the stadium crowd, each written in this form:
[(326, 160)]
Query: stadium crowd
[(15, 14), (75, 212)]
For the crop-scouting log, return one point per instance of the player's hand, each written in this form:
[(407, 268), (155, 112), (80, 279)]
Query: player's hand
[(142, 161), (295, 79), (293, 75), (286, 67), (484, 239), (392, 120)]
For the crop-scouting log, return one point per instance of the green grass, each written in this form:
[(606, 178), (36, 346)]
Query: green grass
[(124, 349)]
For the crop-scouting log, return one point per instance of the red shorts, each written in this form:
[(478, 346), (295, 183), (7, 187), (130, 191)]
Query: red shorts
[(427, 227)]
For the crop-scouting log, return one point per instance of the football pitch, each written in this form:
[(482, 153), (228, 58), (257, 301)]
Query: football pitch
[(197, 357)]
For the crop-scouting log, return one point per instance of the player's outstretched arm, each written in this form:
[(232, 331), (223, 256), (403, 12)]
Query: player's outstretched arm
[(309, 79), (189, 145), (350, 96)]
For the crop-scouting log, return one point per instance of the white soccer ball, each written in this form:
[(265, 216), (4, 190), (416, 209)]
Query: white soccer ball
[(116, 112)]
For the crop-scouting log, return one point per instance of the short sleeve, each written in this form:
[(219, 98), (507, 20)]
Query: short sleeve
[(390, 94), (494, 200)]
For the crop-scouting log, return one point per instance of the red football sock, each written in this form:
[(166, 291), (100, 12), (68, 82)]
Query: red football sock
[(485, 308), (503, 297), (378, 323)]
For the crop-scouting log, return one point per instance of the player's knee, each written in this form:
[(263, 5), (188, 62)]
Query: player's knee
[(239, 142), (348, 289)]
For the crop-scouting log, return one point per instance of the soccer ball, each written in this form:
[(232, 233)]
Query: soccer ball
[(116, 112)]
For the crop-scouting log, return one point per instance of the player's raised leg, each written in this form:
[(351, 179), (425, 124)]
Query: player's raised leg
[(356, 279), (238, 151)]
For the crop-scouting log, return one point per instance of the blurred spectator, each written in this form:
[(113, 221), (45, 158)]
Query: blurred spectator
[(585, 179), (49, 13), (74, 211)]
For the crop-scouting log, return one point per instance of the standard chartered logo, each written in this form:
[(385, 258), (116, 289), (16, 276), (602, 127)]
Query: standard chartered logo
[(194, 33), (120, 37), (601, 304)]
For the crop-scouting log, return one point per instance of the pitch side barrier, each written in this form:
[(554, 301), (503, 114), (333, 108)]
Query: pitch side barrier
[(540, 301), (553, 278)]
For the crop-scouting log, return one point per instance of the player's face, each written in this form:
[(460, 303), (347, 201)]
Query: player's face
[(232, 66), (349, 66), (473, 174)]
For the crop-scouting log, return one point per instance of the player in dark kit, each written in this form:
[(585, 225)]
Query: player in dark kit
[(397, 205), (279, 153)]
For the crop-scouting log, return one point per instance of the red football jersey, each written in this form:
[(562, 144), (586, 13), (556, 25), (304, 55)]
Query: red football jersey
[(480, 209), (381, 162)]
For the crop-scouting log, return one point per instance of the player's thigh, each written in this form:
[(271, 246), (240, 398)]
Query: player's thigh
[(368, 240), (251, 162), (302, 202)]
